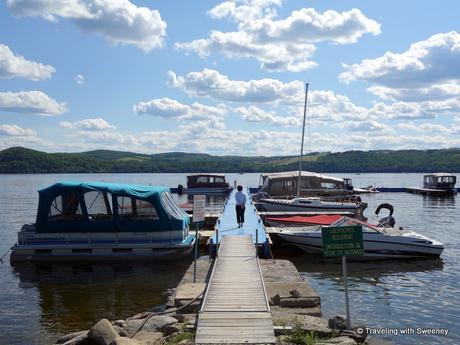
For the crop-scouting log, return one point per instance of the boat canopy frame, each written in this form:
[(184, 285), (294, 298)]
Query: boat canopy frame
[(167, 215)]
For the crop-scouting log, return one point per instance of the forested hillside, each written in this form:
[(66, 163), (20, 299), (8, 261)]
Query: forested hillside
[(22, 160)]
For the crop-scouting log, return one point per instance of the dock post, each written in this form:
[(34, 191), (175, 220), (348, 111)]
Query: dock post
[(217, 242), (257, 241), (345, 287), (212, 248), (266, 249), (196, 253)]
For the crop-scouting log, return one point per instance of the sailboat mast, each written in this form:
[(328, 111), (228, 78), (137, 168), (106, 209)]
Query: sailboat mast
[(303, 136)]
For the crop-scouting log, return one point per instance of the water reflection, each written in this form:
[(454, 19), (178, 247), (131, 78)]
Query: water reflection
[(73, 297), (438, 201), (364, 270)]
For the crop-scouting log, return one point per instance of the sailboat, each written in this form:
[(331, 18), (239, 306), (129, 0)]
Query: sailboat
[(308, 204)]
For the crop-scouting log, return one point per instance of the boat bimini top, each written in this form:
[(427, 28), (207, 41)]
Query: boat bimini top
[(107, 207)]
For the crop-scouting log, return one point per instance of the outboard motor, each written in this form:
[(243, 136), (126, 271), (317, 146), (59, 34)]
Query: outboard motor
[(180, 189), (388, 221)]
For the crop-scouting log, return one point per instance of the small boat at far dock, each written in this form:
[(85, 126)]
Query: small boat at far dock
[(438, 184), (207, 184), (104, 221)]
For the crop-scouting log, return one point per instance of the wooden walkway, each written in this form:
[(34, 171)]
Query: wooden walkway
[(227, 226), (235, 308)]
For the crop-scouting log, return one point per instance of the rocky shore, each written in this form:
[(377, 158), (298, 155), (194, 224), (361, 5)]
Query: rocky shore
[(295, 306)]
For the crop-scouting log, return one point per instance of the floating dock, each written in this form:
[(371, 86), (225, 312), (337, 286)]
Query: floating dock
[(227, 226), (235, 308)]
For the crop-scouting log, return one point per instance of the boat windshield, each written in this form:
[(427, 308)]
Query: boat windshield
[(345, 221)]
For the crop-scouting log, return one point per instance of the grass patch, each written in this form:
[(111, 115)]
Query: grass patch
[(301, 337), (189, 336)]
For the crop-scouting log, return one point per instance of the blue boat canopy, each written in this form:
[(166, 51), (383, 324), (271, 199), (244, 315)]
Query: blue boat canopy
[(107, 207)]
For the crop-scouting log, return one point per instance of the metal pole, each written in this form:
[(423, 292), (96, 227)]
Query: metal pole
[(257, 242), (345, 287), (217, 242), (196, 253), (303, 135)]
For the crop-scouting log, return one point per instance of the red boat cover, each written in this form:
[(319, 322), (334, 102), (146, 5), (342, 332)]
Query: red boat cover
[(322, 219)]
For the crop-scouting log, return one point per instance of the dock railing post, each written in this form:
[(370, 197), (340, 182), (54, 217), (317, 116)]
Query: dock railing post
[(217, 242), (257, 241), (196, 253)]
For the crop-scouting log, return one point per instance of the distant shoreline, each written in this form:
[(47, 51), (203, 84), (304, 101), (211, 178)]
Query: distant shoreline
[(19, 160)]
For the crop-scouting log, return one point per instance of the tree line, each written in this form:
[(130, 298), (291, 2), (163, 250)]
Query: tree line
[(19, 160)]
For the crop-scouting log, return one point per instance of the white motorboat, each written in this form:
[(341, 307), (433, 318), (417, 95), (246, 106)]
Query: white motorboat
[(378, 242), (311, 204)]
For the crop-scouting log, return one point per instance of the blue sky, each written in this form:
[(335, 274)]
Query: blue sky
[(227, 77)]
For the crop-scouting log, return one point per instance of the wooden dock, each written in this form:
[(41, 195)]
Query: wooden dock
[(235, 308)]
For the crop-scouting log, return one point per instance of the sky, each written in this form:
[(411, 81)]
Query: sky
[(228, 77)]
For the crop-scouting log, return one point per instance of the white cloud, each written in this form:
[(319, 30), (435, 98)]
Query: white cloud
[(96, 124), (416, 110), (273, 57), (279, 45), (287, 97), (324, 106), (211, 136), (79, 79), (49, 9), (120, 21), (429, 128), (210, 83), (255, 114), (16, 131), (422, 82), (432, 92), (245, 10), (307, 25), (33, 102), (16, 66), (368, 126), (170, 108), (433, 61)]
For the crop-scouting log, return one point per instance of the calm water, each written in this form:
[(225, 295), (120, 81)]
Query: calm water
[(39, 303)]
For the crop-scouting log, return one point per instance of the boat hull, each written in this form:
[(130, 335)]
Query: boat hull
[(432, 192), (271, 206), (376, 246), (57, 247)]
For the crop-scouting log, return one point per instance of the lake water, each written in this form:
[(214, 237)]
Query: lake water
[(38, 303)]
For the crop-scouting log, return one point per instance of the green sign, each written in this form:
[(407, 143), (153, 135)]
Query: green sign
[(342, 240)]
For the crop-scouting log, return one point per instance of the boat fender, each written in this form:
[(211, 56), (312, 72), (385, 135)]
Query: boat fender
[(180, 189)]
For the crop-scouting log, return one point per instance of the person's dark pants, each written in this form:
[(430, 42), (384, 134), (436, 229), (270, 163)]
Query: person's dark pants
[(240, 214)]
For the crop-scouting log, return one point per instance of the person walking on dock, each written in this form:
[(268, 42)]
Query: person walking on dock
[(240, 199)]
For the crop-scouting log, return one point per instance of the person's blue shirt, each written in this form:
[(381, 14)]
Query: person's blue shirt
[(240, 198)]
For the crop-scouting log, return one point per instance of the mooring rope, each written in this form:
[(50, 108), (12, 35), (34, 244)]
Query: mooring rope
[(162, 313), (1, 258)]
